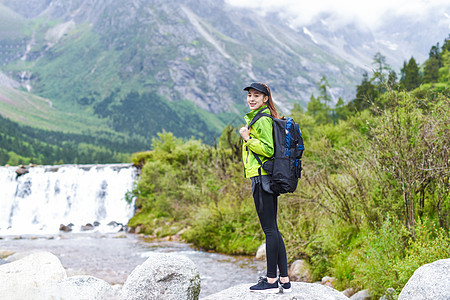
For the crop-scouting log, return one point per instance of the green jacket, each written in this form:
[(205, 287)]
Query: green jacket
[(260, 142)]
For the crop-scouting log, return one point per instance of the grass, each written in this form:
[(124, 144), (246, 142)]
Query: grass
[(35, 111)]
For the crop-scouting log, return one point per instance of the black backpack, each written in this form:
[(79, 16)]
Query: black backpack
[(285, 166)]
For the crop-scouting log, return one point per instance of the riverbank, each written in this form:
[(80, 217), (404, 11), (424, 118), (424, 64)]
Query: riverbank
[(113, 257)]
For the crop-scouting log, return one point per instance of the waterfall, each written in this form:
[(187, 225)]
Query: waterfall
[(39, 201)]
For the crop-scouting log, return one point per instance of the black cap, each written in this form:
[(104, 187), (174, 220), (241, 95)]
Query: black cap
[(258, 87)]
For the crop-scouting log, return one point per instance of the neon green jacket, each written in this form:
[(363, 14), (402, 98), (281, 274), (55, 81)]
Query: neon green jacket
[(260, 142)]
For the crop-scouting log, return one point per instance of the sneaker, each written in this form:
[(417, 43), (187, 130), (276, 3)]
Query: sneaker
[(285, 287), (264, 287)]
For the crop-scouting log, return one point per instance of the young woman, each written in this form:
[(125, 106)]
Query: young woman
[(258, 141)]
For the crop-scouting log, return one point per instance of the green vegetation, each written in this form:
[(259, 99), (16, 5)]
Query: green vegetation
[(373, 204), (24, 145)]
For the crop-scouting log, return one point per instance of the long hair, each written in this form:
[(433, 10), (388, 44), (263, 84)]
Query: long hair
[(270, 104)]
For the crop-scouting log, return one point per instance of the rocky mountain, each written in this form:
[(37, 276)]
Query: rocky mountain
[(143, 66), (203, 51)]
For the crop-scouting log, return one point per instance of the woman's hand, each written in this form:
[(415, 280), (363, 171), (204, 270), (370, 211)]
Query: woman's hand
[(245, 133)]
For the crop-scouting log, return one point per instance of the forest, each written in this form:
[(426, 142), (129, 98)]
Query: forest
[(373, 202)]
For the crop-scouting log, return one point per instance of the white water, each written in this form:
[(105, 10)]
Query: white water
[(39, 201)]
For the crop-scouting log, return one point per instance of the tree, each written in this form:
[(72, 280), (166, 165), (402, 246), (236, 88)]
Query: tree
[(432, 65), (323, 95), (366, 93), (410, 75), (380, 72)]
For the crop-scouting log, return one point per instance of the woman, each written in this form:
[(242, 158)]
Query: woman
[(258, 143)]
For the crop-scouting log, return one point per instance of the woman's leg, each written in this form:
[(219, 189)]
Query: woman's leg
[(275, 249)]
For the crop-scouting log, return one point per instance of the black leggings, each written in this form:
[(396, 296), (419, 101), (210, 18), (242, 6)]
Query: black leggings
[(275, 249)]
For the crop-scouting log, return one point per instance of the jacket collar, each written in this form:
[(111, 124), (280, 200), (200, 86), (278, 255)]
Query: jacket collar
[(253, 113)]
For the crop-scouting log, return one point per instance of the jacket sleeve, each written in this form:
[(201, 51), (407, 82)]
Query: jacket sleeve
[(261, 141)]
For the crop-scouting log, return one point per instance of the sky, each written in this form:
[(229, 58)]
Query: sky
[(369, 13)]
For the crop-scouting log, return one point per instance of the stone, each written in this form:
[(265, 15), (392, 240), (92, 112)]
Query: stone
[(328, 281), (349, 292), (261, 252), (21, 171), (5, 253), (361, 295), (21, 279), (300, 291), (65, 228), (78, 287), (163, 276), (430, 281), (120, 235), (19, 255), (87, 227), (300, 271)]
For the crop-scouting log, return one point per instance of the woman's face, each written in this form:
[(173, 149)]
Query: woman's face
[(256, 99)]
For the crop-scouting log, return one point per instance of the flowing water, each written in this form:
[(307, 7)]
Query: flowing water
[(33, 206)]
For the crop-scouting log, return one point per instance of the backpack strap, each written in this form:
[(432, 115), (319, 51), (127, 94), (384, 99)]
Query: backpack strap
[(260, 114)]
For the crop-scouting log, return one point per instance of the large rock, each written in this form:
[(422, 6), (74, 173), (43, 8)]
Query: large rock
[(300, 291), (361, 295), (261, 252), (430, 281), (163, 276), (300, 271), (78, 287), (22, 278)]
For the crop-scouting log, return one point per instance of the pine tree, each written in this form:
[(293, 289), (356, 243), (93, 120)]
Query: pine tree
[(432, 65), (410, 75), (380, 72), (366, 93)]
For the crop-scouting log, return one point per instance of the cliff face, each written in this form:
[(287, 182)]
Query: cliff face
[(201, 51)]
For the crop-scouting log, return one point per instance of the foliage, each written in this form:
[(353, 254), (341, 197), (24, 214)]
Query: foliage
[(24, 145)]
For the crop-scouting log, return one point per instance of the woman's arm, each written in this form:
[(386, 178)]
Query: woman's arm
[(263, 144)]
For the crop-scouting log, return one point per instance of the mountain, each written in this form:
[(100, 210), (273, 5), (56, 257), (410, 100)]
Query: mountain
[(398, 37), (138, 67)]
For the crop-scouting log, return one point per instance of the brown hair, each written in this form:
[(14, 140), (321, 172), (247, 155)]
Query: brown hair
[(270, 104)]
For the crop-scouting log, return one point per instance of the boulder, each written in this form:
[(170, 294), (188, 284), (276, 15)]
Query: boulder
[(261, 252), (300, 271), (78, 287), (163, 276), (5, 253), (19, 255), (65, 228), (430, 281), (87, 227), (300, 290), (22, 278), (21, 171), (329, 281), (361, 295)]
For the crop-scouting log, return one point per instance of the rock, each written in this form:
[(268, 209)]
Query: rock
[(120, 235), (349, 292), (87, 227), (300, 290), (22, 279), (361, 295), (163, 276), (78, 287), (19, 255), (430, 281), (300, 271), (96, 223), (261, 252), (328, 281), (5, 253), (65, 228), (21, 171)]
